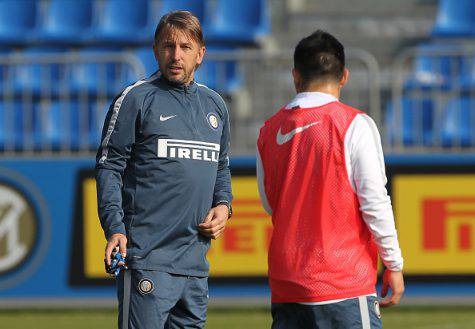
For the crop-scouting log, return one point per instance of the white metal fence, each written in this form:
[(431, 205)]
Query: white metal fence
[(55, 103), (264, 84), (433, 100)]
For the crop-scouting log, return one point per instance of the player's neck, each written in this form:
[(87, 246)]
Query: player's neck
[(321, 87), (335, 92)]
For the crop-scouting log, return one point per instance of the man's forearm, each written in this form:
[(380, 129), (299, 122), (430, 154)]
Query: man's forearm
[(109, 200)]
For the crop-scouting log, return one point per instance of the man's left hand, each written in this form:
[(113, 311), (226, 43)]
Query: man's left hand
[(215, 221), (395, 281)]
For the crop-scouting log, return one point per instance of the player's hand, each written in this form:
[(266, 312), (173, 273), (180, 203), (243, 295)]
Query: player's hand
[(395, 281), (115, 240), (215, 221)]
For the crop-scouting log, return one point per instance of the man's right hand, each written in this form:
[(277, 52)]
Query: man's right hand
[(115, 240)]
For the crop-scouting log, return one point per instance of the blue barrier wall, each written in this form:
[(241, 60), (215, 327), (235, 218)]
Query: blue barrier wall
[(51, 186), (50, 192)]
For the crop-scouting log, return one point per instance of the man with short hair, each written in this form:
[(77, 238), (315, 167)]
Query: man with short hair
[(163, 183), (321, 176)]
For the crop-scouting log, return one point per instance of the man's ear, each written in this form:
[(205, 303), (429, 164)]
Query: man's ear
[(155, 51), (344, 79), (297, 79), (200, 56)]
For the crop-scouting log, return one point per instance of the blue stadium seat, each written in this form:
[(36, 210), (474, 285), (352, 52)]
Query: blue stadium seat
[(84, 119), (4, 131), (123, 22), (4, 67), (459, 123), (66, 22), (70, 124), (19, 125), (97, 116), (96, 77), (195, 6), (415, 124), (146, 57), (11, 125), (219, 75), (467, 76), (435, 68), (37, 78), (17, 21), (58, 125), (88, 123), (455, 18), (236, 22)]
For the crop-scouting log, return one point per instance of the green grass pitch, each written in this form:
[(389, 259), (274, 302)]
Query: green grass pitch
[(401, 317)]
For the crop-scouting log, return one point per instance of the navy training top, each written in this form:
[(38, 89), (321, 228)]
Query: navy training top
[(162, 164)]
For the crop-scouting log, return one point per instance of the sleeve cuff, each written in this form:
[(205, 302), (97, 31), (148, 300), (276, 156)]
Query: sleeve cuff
[(226, 202), (394, 266), (113, 231), (230, 207)]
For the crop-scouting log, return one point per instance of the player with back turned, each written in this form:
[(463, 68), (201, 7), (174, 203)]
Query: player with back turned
[(321, 176), (163, 182)]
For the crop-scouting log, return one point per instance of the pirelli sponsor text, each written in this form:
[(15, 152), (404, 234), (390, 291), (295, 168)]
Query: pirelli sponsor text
[(188, 149)]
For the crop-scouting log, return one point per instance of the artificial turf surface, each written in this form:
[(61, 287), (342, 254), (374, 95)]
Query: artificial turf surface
[(248, 318)]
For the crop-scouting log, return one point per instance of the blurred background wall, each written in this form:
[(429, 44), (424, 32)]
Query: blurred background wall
[(62, 62)]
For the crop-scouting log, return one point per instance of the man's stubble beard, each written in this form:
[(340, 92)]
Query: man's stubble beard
[(182, 80), (179, 81)]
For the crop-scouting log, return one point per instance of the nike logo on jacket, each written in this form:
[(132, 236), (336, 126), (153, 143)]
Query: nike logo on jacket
[(165, 118)]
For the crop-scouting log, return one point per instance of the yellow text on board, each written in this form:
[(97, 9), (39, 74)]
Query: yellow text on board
[(240, 251), (435, 216)]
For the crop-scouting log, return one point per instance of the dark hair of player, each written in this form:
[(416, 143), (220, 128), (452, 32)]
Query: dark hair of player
[(320, 57), (182, 20)]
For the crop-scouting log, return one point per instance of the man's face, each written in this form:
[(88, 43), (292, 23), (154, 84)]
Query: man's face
[(178, 55)]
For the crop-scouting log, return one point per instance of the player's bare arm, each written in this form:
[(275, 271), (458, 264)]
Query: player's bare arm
[(116, 240), (395, 281), (215, 222)]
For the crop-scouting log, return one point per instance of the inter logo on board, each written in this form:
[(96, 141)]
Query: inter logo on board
[(18, 228)]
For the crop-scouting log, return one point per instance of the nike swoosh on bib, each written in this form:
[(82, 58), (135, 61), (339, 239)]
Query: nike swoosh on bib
[(284, 138), (162, 118)]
